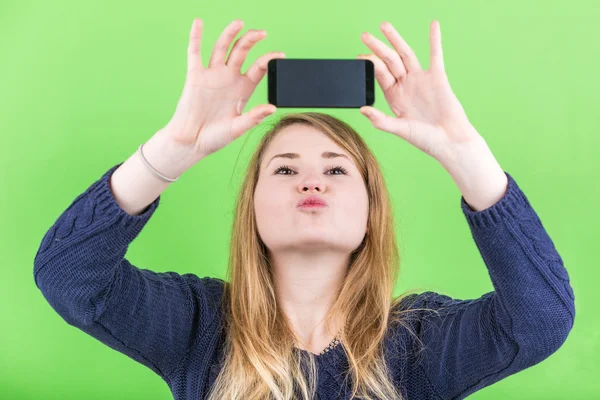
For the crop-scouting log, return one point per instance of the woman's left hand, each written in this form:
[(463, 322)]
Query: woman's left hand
[(427, 113)]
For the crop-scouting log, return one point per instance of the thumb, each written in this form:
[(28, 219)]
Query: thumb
[(248, 120), (398, 126)]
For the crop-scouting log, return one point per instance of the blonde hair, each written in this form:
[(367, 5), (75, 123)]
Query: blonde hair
[(260, 361)]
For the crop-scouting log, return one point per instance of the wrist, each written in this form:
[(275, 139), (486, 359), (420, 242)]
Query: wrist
[(167, 156), (478, 175)]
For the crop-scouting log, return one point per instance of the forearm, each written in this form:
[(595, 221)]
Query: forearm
[(479, 177), (135, 187)]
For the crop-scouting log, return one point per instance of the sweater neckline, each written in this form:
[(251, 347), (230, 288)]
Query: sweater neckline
[(329, 355), (334, 344)]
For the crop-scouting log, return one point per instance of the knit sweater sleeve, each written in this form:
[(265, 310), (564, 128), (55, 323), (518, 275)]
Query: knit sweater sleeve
[(471, 344), (81, 270)]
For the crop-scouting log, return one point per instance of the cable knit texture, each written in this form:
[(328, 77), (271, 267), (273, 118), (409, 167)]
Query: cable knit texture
[(171, 322)]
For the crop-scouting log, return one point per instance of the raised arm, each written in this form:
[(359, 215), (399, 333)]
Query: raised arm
[(80, 267)]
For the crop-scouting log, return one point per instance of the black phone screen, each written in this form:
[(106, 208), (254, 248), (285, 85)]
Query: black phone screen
[(325, 83)]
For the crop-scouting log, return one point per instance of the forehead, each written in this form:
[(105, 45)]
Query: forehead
[(303, 142), (302, 139)]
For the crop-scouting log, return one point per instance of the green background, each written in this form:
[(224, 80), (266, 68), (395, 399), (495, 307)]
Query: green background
[(84, 83)]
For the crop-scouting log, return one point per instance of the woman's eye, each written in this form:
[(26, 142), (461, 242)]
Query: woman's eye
[(287, 168)]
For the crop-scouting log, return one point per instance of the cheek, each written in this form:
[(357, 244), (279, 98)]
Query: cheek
[(272, 196), (354, 211), (355, 198), (270, 208)]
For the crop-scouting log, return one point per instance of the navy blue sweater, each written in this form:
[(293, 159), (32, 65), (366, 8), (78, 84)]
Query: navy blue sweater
[(172, 322)]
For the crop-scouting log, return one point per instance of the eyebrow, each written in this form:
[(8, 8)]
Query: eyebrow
[(326, 154)]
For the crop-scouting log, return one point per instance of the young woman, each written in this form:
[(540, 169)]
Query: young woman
[(307, 309)]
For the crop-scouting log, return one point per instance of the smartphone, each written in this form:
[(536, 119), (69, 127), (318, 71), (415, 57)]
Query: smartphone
[(324, 83)]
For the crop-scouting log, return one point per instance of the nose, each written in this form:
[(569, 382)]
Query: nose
[(312, 186), (311, 183)]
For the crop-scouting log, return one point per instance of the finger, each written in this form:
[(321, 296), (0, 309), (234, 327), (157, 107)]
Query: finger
[(223, 43), (437, 56), (194, 57), (244, 122), (258, 70), (407, 54), (387, 55), (397, 126), (382, 73), (242, 46)]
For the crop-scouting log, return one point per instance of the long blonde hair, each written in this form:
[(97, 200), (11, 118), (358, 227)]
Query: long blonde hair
[(260, 362)]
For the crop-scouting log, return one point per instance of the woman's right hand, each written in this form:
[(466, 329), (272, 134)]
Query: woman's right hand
[(209, 112)]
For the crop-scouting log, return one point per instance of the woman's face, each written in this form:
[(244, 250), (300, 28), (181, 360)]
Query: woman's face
[(283, 226)]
